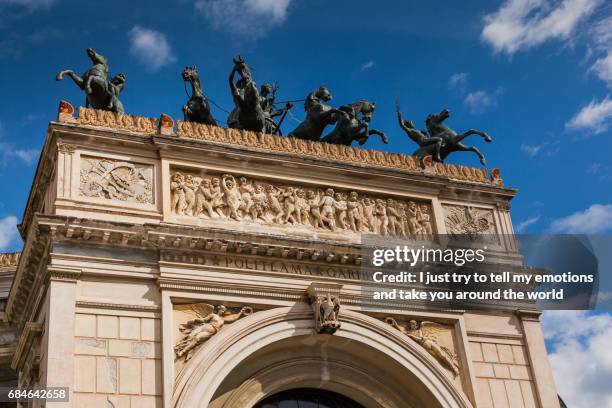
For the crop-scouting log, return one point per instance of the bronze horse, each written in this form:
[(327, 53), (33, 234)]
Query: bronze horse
[(318, 115), (100, 92), (197, 108), (248, 113), (353, 124)]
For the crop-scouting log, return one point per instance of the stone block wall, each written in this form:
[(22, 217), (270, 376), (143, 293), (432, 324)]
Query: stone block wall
[(117, 359)]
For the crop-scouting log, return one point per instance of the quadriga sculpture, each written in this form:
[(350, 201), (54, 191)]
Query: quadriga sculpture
[(354, 124), (197, 108), (248, 113), (318, 115), (100, 91)]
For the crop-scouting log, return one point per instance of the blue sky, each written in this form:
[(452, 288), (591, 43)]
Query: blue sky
[(536, 75)]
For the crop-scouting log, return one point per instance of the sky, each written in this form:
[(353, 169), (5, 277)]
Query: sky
[(534, 74)]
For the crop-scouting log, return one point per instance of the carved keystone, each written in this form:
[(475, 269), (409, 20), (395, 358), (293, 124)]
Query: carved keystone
[(65, 112), (166, 125), (325, 301)]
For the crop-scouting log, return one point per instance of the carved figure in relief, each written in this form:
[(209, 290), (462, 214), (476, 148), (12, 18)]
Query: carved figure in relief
[(246, 193), (327, 204), (381, 214), (274, 204), (204, 199), (259, 203), (413, 219), (314, 203), (207, 322), (425, 220), (326, 311), (424, 333), (341, 208), (354, 211), (116, 180), (289, 204), (302, 207), (243, 199), (231, 195), (469, 222)]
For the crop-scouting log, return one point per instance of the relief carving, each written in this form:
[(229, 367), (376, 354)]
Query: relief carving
[(426, 335), (326, 310), (468, 222), (247, 200), (207, 321), (9, 259), (116, 180)]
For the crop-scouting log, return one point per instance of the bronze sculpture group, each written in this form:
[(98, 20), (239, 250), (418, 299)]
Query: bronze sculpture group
[(255, 110)]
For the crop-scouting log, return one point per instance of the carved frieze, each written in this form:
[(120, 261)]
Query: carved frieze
[(116, 180), (114, 120), (249, 200), (435, 338), (9, 259), (469, 222)]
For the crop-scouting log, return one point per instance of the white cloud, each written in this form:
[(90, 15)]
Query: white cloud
[(532, 150), (594, 117), (8, 151), (603, 68), (150, 47), (458, 79), (595, 219), (522, 226), (479, 101), (8, 232), (29, 156), (368, 65), (522, 24), (580, 356), (252, 18)]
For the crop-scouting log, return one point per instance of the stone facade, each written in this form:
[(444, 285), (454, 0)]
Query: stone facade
[(212, 267)]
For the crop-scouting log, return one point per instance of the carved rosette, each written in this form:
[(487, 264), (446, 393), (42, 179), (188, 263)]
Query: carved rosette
[(237, 198), (116, 180)]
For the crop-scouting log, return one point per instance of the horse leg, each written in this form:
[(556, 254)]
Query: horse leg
[(383, 136), (460, 147), (467, 133), (77, 79)]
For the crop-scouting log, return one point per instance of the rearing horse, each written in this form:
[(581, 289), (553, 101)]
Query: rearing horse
[(318, 115), (452, 140), (248, 113), (197, 108), (95, 82), (353, 124)]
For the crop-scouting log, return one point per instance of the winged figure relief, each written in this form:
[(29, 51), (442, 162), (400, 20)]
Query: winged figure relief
[(425, 334), (206, 322)]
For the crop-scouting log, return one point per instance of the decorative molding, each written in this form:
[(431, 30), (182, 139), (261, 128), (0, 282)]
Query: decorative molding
[(321, 150), (166, 125), (9, 259), (116, 180), (65, 112), (118, 306), (31, 330), (66, 148), (113, 120), (242, 199)]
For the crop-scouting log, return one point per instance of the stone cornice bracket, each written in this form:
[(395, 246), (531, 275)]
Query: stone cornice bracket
[(66, 148), (65, 112), (528, 314), (325, 301), (165, 125), (64, 274), (31, 331)]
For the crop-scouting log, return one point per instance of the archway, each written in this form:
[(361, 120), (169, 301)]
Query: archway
[(307, 397), (275, 350)]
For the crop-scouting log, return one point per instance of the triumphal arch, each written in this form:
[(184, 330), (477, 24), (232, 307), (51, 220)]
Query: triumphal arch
[(187, 265)]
